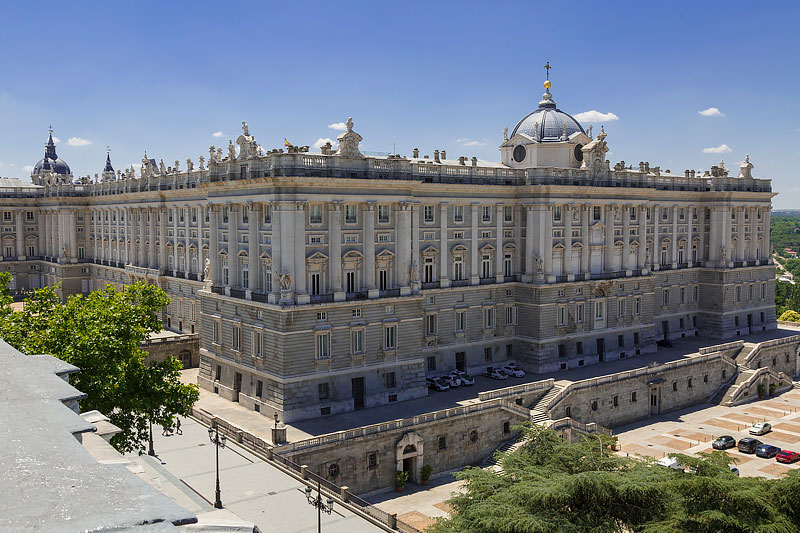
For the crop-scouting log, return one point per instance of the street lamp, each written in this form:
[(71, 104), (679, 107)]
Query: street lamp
[(151, 451), (319, 504), (218, 442)]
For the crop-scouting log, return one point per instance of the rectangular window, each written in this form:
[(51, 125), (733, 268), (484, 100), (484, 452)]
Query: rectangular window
[(430, 325), (350, 279), (621, 341), (596, 213), (598, 310), (431, 360), (315, 239), (323, 389), (633, 213), (458, 268), (458, 213), (383, 279), (245, 215), (633, 396), (314, 282), (486, 213), (579, 313), (696, 293), (511, 316), (350, 214), (237, 338), (257, 344), (621, 308), (390, 337), (323, 345), (322, 316), (557, 213), (389, 380), (508, 214), (562, 315), (383, 214), (267, 214), (458, 234), (259, 388), (356, 313), (487, 354), (461, 321), (357, 341), (486, 266), (665, 297), (215, 334), (763, 289), (315, 214), (29, 216), (488, 318), (507, 265), (738, 294), (683, 295), (428, 211)]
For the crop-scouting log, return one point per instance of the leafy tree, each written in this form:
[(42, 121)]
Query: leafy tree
[(101, 333), (790, 316), (552, 485)]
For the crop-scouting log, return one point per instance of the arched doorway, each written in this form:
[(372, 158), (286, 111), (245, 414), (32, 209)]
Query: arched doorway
[(409, 455)]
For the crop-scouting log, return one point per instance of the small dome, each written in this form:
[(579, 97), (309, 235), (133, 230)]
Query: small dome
[(51, 162), (551, 121)]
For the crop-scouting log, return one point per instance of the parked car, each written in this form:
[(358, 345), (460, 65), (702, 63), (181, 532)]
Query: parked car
[(513, 371), (666, 343), (437, 384), (671, 462), (512, 364), (450, 379), (759, 428), (787, 456), (748, 445), (734, 470), (724, 442), (465, 379), (494, 373), (767, 451)]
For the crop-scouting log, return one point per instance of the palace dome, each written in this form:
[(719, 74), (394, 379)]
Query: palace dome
[(550, 120), (51, 162)]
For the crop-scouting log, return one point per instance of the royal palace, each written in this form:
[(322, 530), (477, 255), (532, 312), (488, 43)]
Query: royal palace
[(326, 282)]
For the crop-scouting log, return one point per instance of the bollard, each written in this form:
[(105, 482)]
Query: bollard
[(392, 521), (344, 492), (304, 471)]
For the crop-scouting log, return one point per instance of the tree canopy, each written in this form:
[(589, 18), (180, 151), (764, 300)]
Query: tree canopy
[(101, 333), (552, 485)]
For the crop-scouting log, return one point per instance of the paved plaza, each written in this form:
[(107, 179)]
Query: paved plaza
[(253, 490), (691, 430)]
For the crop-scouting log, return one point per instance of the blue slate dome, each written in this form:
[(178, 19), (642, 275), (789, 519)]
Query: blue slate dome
[(51, 162), (551, 121)]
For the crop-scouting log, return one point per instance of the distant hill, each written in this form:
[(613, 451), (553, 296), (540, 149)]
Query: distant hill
[(793, 213), (785, 230)]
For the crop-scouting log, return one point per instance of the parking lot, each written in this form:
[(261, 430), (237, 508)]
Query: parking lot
[(692, 430)]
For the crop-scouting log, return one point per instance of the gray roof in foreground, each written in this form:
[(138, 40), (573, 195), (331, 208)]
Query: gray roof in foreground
[(52, 482)]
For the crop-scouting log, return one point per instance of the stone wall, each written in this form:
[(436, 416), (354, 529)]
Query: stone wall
[(184, 348)]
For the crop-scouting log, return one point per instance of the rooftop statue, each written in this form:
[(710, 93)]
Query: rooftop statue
[(349, 141)]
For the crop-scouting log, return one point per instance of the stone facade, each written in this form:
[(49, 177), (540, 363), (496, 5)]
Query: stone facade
[(326, 282)]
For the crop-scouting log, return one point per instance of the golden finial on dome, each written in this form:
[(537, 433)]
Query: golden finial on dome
[(547, 84), (547, 68)]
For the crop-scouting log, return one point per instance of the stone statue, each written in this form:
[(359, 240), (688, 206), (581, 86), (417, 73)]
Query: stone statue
[(207, 270), (177, 164), (161, 167), (536, 131), (285, 280), (746, 168), (219, 155), (211, 152), (505, 134), (231, 151), (414, 272), (245, 129), (189, 164), (248, 146), (539, 264), (589, 131), (349, 141), (202, 162)]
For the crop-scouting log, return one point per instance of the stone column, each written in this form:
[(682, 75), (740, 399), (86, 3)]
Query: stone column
[(119, 235), (689, 233), (498, 255), (253, 248), (641, 256), (404, 248), (753, 232), (674, 253), (301, 288), (626, 239), (608, 262), (234, 265), (727, 239), (517, 261), (152, 260), (656, 237), (701, 234), (567, 264), (548, 243), (444, 274), (43, 234), (586, 251), (530, 244), (740, 233), (73, 235), (335, 248), (162, 240), (187, 241), (474, 274), (369, 250), (714, 237), (213, 245), (766, 254), (276, 245), (142, 236), (175, 216), (415, 256)]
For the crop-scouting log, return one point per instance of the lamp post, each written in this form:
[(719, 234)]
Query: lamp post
[(321, 506), (218, 442), (151, 451)]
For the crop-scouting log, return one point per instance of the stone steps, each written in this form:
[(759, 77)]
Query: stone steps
[(723, 390), (542, 403)]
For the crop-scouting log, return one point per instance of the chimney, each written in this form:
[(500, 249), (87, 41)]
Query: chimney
[(474, 161), (416, 152), (436, 155), (444, 154)]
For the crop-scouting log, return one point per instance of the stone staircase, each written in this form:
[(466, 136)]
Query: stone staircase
[(746, 350), (743, 376), (542, 403), (724, 388), (508, 446)]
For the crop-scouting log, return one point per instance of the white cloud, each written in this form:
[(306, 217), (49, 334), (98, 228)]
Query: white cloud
[(217, 134), (28, 168), (78, 141), (721, 149), (470, 142), (322, 140), (712, 112), (56, 140), (595, 116), (338, 126)]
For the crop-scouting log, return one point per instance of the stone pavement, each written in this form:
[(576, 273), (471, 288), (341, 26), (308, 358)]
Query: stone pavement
[(419, 505), (691, 430), (259, 425), (255, 491)]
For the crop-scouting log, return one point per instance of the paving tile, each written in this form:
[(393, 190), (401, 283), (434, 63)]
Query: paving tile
[(781, 436), (768, 413), (776, 469), (693, 435), (744, 418), (786, 426), (726, 424), (781, 406), (443, 506), (417, 519), (638, 449), (669, 442)]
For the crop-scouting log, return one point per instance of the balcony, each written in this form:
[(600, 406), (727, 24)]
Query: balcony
[(430, 284), (488, 281)]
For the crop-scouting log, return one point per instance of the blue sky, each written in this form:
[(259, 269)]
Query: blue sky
[(165, 76)]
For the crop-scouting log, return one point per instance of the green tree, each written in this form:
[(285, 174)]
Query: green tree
[(101, 333), (552, 485), (790, 316)]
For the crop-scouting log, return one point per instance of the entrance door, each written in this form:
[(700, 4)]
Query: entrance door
[(461, 363), (749, 322), (655, 404), (358, 392), (601, 348), (665, 328), (237, 386)]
